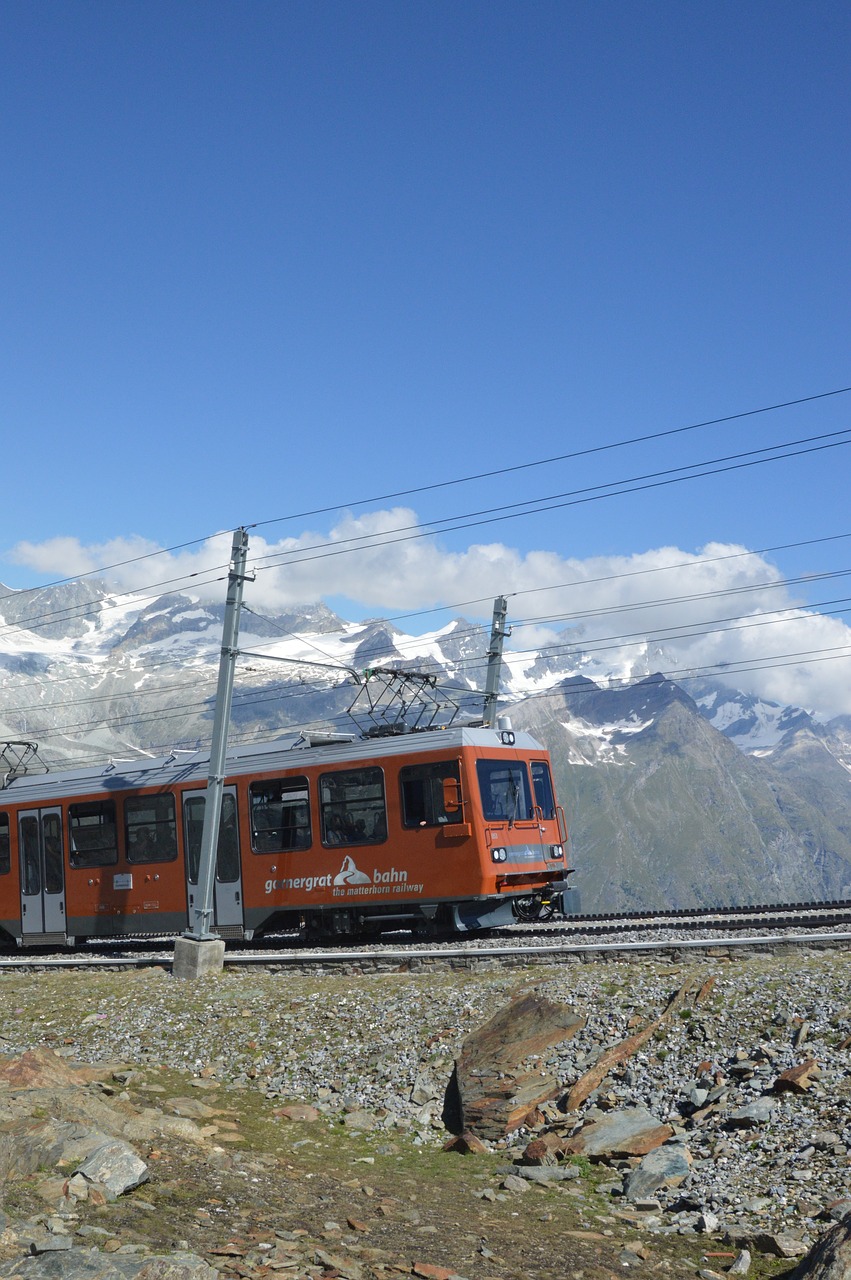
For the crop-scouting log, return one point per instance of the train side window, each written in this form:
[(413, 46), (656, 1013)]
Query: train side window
[(5, 845), (30, 856), (543, 784), (280, 815), (227, 856), (150, 828), (423, 794), (94, 834), (352, 807), (227, 853), (51, 831), (504, 787)]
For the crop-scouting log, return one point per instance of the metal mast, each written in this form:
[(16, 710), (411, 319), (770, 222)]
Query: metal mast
[(499, 632), (203, 911)]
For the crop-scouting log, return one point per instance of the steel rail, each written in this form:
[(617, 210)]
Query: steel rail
[(412, 957)]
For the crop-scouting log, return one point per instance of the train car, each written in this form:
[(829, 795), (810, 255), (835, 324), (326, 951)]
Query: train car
[(442, 829)]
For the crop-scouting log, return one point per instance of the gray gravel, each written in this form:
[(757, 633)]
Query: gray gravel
[(379, 1050)]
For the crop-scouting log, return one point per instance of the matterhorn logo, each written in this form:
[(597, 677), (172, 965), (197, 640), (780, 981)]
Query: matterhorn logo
[(349, 874)]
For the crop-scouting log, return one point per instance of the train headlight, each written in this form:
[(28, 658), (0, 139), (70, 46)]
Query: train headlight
[(556, 851), (499, 855)]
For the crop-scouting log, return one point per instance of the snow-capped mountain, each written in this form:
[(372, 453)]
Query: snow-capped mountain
[(77, 656), (676, 794)]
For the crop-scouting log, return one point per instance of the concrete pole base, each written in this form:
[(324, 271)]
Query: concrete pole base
[(193, 959)]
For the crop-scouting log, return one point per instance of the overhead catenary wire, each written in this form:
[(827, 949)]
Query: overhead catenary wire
[(411, 532), (694, 562), (67, 614), (555, 502), (514, 468), (623, 607), (455, 481), (93, 608)]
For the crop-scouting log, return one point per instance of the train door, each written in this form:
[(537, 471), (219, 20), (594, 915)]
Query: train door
[(42, 872), (227, 886)]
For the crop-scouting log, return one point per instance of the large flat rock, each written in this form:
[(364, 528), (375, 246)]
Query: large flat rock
[(498, 1075), (628, 1132)]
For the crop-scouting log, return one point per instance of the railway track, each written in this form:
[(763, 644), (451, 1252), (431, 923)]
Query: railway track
[(814, 914), (740, 931)]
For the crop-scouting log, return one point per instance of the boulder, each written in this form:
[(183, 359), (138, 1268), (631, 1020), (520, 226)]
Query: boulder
[(494, 1086), (830, 1258), (628, 1132), (798, 1079), (755, 1113), (92, 1264), (115, 1166), (41, 1069), (665, 1166), (301, 1112)]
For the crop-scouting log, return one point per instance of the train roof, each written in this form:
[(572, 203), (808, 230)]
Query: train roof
[(287, 752)]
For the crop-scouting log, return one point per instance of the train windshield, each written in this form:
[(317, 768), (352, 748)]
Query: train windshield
[(504, 787)]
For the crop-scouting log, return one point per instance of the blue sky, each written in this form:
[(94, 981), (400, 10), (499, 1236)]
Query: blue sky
[(263, 258)]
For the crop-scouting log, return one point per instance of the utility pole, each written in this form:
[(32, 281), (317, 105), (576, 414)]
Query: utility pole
[(199, 950), (499, 632)]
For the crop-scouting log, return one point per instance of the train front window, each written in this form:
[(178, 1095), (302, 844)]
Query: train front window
[(423, 794), (543, 784), (504, 787), (352, 806), (5, 845), (280, 815), (94, 835), (150, 828)]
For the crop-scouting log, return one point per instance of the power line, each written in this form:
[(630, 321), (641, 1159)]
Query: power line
[(556, 502), (508, 511), (94, 608), (281, 693), (249, 699), (413, 642), (120, 564), (401, 493), (617, 577), (625, 607), (562, 457)]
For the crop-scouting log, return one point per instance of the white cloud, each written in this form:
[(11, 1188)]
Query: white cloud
[(662, 608)]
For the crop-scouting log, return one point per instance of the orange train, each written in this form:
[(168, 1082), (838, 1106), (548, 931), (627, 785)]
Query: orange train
[(444, 829)]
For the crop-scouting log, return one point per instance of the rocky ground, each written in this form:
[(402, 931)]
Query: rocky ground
[(290, 1123)]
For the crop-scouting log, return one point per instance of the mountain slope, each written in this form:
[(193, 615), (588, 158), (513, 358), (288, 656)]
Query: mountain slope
[(665, 811)]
